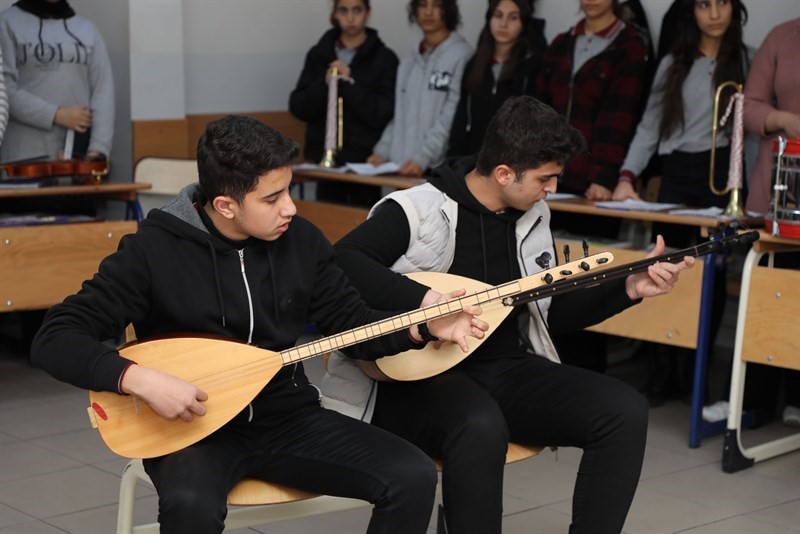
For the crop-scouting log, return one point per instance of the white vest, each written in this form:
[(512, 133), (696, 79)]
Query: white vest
[(432, 220)]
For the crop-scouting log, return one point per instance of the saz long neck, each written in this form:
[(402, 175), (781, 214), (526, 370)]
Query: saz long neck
[(548, 283)]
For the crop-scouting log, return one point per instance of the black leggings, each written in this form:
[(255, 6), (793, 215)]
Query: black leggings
[(315, 450), (467, 416)]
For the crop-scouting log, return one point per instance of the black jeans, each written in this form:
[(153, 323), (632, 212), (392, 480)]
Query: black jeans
[(316, 450), (467, 416)]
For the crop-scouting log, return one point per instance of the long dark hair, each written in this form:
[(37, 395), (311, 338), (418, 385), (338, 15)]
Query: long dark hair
[(730, 61), (486, 45)]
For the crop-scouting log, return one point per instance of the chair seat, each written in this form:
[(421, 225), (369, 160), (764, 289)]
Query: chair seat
[(515, 453), (253, 492)]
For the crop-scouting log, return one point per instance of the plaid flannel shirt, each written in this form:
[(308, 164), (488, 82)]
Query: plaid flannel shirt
[(603, 100)]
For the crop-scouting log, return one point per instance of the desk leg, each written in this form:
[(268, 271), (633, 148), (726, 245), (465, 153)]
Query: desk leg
[(732, 458), (735, 457), (697, 430), (134, 210)]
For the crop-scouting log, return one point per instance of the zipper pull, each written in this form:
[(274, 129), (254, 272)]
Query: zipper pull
[(241, 258)]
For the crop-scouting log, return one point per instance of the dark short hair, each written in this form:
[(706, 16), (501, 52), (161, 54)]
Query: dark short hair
[(234, 152), (526, 134), (334, 22), (452, 16)]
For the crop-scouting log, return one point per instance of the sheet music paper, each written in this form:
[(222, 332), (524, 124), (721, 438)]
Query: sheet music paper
[(635, 205), (368, 169), (560, 196)]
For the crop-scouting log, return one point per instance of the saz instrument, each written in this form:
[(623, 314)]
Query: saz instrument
[(232, 373), (411, 365)]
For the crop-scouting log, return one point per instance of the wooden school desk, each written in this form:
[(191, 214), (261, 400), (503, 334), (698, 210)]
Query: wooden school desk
[(766, 333), (320, 175), (41, 265)]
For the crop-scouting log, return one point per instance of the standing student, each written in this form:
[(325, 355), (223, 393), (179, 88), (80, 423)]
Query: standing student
[(427, 91), (772, 107), (593, 75), (228, 257), (504, 65), (58, 78), (772, 104), (355, 51), (485, 218), (708, 50)]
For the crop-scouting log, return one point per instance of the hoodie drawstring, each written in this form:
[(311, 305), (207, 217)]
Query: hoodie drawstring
[(216, 280), (483, 249), (66, 29)]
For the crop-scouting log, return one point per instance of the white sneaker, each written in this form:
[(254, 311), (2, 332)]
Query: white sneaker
[(719, 411), (791, 416)]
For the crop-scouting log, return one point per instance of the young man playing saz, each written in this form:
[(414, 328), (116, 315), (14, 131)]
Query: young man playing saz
[(229, 258), (485, 219)]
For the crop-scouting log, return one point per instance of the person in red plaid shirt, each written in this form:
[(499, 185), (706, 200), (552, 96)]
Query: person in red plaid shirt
[(594, 75)]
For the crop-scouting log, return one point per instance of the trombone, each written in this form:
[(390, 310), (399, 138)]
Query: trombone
[(734, 185)]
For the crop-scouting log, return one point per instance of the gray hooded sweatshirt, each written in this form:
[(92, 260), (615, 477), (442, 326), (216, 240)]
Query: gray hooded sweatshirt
[(426, 96), (47, 64)]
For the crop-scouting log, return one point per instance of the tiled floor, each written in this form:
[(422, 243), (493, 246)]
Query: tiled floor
[(56, 476)]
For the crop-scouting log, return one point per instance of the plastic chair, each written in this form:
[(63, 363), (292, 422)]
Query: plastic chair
[(167, 176)]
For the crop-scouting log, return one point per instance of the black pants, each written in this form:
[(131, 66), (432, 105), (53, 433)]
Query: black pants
[(316, 450), (467, 416)]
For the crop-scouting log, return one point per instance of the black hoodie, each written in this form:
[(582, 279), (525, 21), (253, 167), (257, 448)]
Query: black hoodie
[(174, 276), (368, 103)]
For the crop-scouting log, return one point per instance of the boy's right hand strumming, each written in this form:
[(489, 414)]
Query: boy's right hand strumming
[(168, 396)]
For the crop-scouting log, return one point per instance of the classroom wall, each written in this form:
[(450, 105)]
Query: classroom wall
[(173, 58)]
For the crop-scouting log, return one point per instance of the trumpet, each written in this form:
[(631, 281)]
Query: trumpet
[(734, 185), (334, 125)]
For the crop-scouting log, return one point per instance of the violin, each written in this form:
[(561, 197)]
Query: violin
[(83, 172)]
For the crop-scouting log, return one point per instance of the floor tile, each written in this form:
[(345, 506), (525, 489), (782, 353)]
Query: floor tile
[(740, 492), (37, 527), (62, 492), (739, 525), (786, 515), (10, 517), (85, 446), (22, 460)]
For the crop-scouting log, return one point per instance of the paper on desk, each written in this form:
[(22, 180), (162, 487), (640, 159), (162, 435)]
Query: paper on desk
[(560, 196), (368, 169), (635, 205), (315, 167), (713, 211), (363, 169)]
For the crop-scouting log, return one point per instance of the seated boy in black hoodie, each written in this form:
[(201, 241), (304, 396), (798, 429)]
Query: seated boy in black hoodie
[(229, 258)]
